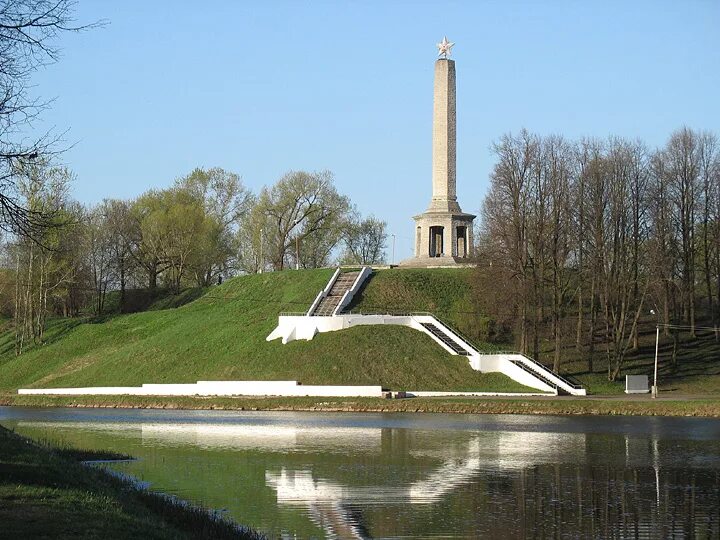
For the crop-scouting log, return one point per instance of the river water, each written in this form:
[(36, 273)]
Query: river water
[(328, 475)]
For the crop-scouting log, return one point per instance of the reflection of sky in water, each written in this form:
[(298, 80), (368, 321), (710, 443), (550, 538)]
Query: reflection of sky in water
[(385, 475)]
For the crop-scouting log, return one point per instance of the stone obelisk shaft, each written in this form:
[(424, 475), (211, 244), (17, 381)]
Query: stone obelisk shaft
[(444, 196)]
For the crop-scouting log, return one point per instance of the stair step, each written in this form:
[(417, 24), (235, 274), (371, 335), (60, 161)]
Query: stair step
[(343, 283), (447, 340), (539, 375)]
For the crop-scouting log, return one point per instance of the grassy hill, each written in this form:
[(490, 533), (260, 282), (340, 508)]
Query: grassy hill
[(221, 336), (444, 292)]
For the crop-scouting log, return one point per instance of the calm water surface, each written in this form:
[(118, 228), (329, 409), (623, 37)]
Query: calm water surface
[(303, 475)]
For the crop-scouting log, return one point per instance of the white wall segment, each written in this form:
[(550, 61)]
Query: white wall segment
[(217, 388)]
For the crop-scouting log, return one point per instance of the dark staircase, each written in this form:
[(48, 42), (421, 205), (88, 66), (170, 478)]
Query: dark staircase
[(537, 375), (342, 284), (447, 340)]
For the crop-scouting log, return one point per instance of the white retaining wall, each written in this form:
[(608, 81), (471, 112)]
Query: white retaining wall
[(217, 388)]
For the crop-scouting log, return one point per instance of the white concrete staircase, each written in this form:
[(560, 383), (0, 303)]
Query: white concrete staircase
[(329, 303), (514, 364), (338, 293), (327, 315)]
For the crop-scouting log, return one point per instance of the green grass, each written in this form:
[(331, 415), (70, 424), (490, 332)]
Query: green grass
[(219, 333), (46, 494), (221, 336), (445, 292), (449, 294)]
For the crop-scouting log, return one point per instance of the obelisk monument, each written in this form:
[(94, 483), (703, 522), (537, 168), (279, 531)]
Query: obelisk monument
[(443, 233), (444, 138)]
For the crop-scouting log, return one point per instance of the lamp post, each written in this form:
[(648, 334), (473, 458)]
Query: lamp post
[(392, 261), (657, 344), (654, 390), (262, 262), (297, 242)]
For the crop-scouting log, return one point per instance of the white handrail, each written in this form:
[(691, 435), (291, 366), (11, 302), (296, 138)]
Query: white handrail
[(348, 296)]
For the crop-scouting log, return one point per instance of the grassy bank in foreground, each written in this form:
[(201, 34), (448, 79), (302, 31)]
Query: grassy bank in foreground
[(641, 405), (47, 493)]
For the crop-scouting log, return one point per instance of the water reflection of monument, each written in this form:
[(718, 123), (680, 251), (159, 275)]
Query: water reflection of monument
[(355, 482), (450, 461), (340, 508)]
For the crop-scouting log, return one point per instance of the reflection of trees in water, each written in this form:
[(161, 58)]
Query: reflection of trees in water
[(610, 502), (563, 501)]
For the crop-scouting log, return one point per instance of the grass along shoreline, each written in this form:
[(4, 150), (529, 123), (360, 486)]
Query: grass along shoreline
[(47, 492), (665, 405)]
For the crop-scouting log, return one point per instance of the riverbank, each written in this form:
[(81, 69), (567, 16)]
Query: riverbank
[(46, 492), (641, 405)]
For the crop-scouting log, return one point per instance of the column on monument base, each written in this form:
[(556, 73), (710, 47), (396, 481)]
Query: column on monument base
[(462, 238), (470, 240), (433, 236)]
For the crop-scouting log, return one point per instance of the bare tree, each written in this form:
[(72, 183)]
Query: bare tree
[(559, 167), (506, 219), (622, 303), (298, 207), (100, 244), (28, 31), (682, 155), (709, 171), (364, 240)]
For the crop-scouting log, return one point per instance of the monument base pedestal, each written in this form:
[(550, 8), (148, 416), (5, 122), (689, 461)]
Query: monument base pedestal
[(436, 262), (443, 238)]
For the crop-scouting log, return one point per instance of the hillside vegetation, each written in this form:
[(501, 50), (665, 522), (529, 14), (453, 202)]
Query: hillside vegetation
[(221, 336), (444, 292)]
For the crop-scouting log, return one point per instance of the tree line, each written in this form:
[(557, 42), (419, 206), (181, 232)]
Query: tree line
[(205, 227), (582, 239)]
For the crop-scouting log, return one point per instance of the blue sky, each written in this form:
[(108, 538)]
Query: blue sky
[(260, 88)]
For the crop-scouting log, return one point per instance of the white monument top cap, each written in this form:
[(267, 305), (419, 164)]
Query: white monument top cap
[(444, 48)]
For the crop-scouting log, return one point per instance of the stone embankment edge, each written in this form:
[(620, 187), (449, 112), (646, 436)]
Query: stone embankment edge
[(700, 406)]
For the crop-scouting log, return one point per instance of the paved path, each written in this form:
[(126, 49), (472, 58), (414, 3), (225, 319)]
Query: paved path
[(662, 396)]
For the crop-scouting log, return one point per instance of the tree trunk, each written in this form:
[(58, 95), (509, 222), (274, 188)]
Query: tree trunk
[(152, 277), (122, 286), (666, 308), (591, 331), (578, 331)]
